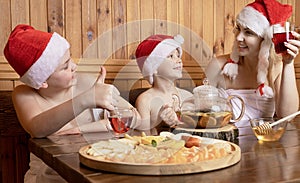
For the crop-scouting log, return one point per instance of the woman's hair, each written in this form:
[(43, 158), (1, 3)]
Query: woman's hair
[(275, 65)]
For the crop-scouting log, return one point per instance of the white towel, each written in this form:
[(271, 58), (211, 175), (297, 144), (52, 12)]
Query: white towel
[(255, 106)]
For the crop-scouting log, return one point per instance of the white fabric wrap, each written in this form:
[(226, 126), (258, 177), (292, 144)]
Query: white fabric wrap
[(255, 106)]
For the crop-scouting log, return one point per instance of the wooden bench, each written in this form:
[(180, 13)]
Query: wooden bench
[(14, 150)]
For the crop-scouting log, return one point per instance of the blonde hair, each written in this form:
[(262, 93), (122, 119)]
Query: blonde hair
[(275, 67)]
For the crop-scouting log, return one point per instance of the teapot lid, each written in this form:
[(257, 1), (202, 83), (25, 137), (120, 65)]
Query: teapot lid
[(206, 90)]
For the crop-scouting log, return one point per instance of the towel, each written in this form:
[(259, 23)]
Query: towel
[(255, 106)]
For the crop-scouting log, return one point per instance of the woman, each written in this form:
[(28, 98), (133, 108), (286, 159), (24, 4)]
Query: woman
[(266, 80)]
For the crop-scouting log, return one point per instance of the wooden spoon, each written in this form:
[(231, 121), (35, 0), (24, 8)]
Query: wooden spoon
[(266, 128)]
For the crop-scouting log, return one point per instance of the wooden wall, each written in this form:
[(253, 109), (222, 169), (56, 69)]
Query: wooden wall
[(108, 31)]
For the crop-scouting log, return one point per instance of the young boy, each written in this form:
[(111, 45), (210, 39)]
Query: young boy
[(54, 99), (159, 59)]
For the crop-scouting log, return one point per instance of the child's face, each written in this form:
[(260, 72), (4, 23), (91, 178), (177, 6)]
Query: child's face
[(64, 75), (171, 66)]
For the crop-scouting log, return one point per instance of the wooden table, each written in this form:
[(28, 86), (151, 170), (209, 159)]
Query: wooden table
[(260, 162)]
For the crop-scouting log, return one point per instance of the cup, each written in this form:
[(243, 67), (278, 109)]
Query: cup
[(121, 121), (281, 34), (98, 114)]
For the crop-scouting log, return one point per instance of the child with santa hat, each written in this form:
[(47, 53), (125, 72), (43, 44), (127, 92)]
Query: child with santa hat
[(159, 60), (53, 99), (264, 79)]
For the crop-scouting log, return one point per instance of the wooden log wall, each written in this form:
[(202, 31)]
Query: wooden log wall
[(106, 32)]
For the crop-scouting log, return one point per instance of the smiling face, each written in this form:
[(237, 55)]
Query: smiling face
[(64, 75), (171, 67), (248, 41)]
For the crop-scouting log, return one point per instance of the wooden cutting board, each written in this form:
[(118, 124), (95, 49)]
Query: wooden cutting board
[(229, 132), (163, 169)]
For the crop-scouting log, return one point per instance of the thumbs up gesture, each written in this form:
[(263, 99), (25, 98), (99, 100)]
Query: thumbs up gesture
[(105, 94)]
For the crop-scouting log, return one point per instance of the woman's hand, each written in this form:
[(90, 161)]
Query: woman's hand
[(293, 46)]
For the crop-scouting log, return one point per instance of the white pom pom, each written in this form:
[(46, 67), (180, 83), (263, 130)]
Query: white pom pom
[(231, 70), (265, 91), (179, 38)]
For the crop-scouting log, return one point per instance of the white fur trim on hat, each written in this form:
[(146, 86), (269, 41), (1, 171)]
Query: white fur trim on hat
[(254, 20), (40, 71), (159, 54)]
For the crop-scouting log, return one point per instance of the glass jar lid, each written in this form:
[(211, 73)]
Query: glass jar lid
[(206, 90)]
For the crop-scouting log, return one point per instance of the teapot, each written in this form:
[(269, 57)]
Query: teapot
[(207, 109)]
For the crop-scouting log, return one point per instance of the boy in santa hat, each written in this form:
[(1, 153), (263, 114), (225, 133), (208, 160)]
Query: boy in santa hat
[(254, 70), (53, 99), (159, 59)]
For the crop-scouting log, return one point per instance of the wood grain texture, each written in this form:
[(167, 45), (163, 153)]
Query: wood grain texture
[(147, 16), (172, 17), (73, 27), (56, 16), (119, 38), (185, 23), (22, 15), (104, 24), (160, 16), (133, 27), (38, 14), (89, 28), (219, 12), (5, 22), (229, 132), (81, 22)]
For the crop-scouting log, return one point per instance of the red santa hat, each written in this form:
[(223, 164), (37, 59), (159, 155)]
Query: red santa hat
[(34, 54), (260, 17), (151, 52)]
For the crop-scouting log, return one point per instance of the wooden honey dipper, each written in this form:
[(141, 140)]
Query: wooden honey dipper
[(266, 128)]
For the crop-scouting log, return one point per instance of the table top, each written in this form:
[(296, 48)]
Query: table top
[(260, 161)]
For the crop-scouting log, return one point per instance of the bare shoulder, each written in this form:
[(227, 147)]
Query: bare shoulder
[(23, 91), (143, 103), (185, 93), (27, 102), (145, 96), (24, 96)]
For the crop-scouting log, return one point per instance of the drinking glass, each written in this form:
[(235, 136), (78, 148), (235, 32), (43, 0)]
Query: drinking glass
[(281, 34), (121, 121)]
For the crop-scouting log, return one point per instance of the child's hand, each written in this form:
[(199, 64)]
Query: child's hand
[(169, 116), (104, 93)]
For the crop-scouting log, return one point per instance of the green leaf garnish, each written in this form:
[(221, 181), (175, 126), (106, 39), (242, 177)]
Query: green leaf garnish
[(154, 143)]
